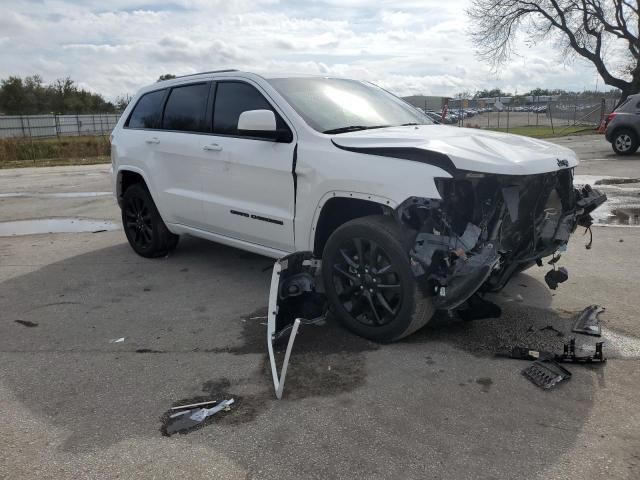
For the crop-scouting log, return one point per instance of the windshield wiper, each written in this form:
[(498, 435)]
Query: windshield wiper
[(353, 128), (410, 124)]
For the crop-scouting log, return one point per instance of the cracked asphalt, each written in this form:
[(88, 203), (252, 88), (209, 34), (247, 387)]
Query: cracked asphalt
[(437, 405)]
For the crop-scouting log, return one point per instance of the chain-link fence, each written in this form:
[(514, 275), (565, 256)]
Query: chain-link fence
[(48, 126), (555, 112)]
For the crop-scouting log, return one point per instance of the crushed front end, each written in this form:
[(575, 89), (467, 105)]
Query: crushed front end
[(487, 227)]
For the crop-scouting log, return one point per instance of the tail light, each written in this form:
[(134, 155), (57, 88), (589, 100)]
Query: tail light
[(610, 117)]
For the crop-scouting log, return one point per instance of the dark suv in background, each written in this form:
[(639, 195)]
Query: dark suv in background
[(623, 126)]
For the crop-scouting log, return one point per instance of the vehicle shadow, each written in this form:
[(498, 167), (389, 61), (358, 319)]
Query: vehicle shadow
[(194, 325)]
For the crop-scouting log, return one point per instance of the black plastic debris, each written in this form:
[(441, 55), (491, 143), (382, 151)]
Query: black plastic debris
[(184, 421), (524, 353), (26, 323), (546, 374), (588, 322), (555, 277), (553, 329), (569, 355)]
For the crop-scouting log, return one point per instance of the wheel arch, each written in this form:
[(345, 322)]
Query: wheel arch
[(339, 207), (128, 176)]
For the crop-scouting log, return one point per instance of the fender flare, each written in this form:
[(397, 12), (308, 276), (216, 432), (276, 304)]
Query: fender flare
[(139, 171), (370, 197)]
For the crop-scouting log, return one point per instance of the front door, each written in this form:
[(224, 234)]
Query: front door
[(248, 181)]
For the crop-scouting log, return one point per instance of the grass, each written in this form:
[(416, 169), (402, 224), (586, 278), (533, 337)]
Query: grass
[(55, 162), (26, 152), (547, 132)]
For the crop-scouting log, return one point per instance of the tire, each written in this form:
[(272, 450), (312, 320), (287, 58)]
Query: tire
[(624, 142), (361, 257), (146, 231)]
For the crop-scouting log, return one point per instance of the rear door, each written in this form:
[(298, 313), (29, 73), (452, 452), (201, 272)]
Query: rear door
[(248, 181), (178, 163)]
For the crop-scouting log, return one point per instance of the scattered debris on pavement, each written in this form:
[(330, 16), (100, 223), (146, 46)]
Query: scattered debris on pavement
[(569, 355), (588, 322), (193, 405), (185, 420), (546, 374), (293, 299), (26, 323), (552, 329)]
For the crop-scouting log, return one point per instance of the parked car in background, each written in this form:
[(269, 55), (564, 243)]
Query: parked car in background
[(622, 127), (404, 216)]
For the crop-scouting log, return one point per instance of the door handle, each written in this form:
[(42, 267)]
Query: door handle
[(152, 140), (213, 147)]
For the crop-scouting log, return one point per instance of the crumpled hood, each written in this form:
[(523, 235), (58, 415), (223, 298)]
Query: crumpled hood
[(468, 148)]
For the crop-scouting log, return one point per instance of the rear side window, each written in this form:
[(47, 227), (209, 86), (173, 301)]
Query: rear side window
[(186, 109), (146, 113), (233, 98)]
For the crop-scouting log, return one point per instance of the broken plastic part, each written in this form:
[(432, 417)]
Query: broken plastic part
[(193, 405), (524, 353), (186, 420), (588, 321), (292, 297), (569, 354), (546, 374), (555, 277)]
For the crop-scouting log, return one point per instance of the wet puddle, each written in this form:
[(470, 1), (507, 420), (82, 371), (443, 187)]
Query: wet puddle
[(55, 225), (54, 195), (622, 207)]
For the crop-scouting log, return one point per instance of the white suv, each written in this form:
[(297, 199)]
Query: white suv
[(407, 216)]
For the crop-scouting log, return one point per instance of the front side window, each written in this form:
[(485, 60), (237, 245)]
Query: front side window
[(335, 105), (146, 113), (233, 98), (186, 108)]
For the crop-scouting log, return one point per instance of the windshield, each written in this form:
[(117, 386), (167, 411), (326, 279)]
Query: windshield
[(333, 105)]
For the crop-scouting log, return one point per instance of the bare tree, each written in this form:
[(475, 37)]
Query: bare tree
[(595, 30)]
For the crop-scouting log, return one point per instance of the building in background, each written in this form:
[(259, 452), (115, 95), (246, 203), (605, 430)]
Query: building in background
[(426, 102)]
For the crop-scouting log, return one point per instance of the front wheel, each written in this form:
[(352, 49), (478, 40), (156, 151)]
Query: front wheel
[(146, 231), (624, 142), (369, 281)]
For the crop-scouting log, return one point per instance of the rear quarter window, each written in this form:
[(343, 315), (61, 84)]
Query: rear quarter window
[(147, 112), (186, 108)]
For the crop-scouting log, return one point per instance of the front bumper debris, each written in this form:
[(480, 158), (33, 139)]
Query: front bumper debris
[(293, 300), (486, 228)]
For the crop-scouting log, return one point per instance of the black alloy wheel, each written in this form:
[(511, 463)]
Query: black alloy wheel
[(146, 231), (137, 222), (367, 283)]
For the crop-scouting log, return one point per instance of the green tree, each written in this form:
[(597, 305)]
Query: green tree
[(166, 76)]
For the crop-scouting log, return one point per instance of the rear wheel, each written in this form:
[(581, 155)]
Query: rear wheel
[(369, 281), (147, 233), (624, 142)]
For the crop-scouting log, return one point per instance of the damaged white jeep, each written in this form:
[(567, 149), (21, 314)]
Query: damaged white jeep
[(401, 216)]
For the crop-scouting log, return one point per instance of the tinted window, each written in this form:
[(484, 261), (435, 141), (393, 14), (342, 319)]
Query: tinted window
[(146, 113), (186, 108), (233, 98)]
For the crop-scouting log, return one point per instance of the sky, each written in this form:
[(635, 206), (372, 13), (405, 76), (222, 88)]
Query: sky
[(115, 47)]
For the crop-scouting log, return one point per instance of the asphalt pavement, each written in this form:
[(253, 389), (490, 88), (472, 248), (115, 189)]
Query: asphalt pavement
[(77, 404)]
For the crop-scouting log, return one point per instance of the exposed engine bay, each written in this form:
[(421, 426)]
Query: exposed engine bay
[(486, 228)]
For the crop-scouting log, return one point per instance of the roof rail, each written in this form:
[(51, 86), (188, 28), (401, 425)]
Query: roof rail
[(211, 71)]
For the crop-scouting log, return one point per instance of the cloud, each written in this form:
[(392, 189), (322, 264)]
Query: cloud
[(406, 46)]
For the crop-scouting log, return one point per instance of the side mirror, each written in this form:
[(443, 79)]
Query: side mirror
[(257, 121), (262, 123)]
